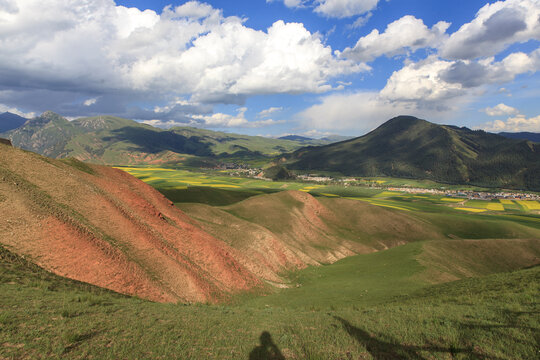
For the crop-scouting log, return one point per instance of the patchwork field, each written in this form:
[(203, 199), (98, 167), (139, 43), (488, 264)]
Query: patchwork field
[(218, 188)]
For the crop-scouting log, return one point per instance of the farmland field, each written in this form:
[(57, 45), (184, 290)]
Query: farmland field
[(218, 188)]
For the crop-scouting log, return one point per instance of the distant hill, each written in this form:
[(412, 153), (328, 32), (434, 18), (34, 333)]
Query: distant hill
[(295, 138), (114, 140), (10, 121), (535, 137), (409, 147)]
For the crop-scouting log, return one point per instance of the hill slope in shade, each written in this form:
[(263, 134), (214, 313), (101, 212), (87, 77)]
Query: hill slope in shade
[(114, 140), (9, 121), (412, 148), (535, 137)]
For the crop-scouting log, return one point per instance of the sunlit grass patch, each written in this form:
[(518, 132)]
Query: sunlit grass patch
[(223, 186), (329, 195), (474, 210)]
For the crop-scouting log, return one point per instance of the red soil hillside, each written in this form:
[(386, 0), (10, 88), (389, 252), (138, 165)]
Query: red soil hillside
[(100, 225)]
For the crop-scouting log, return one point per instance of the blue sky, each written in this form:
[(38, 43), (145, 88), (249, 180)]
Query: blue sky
[(275, 67)]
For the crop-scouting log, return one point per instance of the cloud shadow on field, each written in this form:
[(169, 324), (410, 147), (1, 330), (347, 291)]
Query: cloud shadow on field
[(152, 141)]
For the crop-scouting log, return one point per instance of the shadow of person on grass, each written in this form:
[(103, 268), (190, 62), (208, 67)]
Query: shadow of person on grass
[(383, 350), (267, 350)]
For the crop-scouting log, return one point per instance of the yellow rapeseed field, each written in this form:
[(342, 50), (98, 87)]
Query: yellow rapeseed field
[(471, 209)]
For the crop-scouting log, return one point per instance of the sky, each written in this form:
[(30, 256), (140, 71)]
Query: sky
[(275, 67)]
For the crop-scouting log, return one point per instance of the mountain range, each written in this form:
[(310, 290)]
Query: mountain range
[(114, 140), (409, 147), (404, 146)]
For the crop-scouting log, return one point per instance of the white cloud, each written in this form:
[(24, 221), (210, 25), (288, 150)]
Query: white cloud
[(89, 102), (360, 21), (501, 109), (359, 111), (514, 124), (267, 112), (434, 80), (344, 8), (421, 82), (227, 120), (495, 27), (400, 36), (333, 8), (90, 48)]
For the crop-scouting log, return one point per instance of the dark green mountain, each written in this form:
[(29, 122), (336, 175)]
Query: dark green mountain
[(412, 148), (114, 140), (9, 121), (535, 137)]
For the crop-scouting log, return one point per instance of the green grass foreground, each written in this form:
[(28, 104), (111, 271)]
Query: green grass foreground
[(340, 311)]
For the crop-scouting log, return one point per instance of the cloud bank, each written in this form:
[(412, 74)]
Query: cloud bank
[(92, 56)]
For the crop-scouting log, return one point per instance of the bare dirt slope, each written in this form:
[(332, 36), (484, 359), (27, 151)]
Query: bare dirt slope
[(102, 226)]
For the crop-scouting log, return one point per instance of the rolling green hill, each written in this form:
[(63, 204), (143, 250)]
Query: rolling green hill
[(114, 140), (412, 148)]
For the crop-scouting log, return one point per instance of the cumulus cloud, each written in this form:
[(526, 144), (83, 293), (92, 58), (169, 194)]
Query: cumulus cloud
[(400, 36), (436, 80), (227, 120), (495, 27), (95, 49), (358, 111), (518, 123), (500, 109)]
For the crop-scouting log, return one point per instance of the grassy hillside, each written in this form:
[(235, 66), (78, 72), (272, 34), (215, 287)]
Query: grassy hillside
[(492, 317), (412, 148)]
